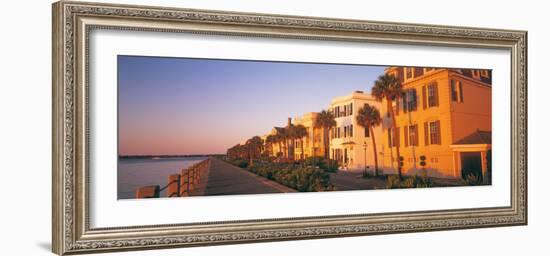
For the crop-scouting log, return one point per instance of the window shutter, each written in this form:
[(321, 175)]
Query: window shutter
[(389, 138), (438, 131), (436, 94), (345, 110), (424, 97), (460, 91), (426, 134), (406, 135), (414, 102)]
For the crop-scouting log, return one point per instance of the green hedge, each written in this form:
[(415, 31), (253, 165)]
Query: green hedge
[(302, 178), (327, 165), (416, 181)]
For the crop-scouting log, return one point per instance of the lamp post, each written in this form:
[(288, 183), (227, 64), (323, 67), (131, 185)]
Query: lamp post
[(365, 149)]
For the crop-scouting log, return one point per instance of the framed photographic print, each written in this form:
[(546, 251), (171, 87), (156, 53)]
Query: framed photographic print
[(179, 127)]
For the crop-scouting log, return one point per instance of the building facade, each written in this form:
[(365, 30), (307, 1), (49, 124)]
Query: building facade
[(312, 144), (443, 116), (351, 144)]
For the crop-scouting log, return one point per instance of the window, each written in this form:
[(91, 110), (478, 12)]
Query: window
[(351, 109), (345, 131), (396, 140), (409, 73), (392, 142), (426, 70), (475, 73), (484, 73), (409, 100), (351, 130), (433, 100), (413, 135), (456, 91), (435, 134), (367, 132)]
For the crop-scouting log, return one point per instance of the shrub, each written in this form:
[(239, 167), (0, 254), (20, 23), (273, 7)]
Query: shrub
[(242, 163), (328, 165), (301, 178), (473, 180), (410, 182), (393, 181), (313, 161)]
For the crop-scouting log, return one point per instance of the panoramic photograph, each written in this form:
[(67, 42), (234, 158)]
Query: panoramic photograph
[(205, 127)]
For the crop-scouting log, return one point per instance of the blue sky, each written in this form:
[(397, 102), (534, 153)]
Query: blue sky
[(200, 106)]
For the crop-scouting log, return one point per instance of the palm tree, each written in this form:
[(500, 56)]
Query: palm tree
[(325, 120), (369, 117), (270, 140), (291, 137), (281, 138), (389, 87), (300, 131), (254, 145)]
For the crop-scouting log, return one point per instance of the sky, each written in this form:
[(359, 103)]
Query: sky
[(180, 106)]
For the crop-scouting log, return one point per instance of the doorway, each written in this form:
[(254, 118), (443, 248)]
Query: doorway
[(471, 164)]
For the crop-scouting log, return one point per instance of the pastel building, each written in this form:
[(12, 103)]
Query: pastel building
[(443, 115), (350, 143), (312, 144)]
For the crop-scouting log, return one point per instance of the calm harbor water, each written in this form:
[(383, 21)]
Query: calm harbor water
[(137, 172)]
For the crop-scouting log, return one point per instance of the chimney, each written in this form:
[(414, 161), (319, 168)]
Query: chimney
[(289, 121)]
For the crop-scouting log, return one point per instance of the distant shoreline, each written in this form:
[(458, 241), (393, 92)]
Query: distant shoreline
[(166, 156)]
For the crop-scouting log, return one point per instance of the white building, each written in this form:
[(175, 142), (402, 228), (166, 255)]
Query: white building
[(350, 143)]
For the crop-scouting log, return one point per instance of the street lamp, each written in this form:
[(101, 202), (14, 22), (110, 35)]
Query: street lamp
[(365, 148)]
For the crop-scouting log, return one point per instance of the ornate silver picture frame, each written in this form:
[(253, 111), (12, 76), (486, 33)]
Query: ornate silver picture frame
[(74, 21)]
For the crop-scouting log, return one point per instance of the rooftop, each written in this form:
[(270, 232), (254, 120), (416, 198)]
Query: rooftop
[(477, 137), (354, 95)]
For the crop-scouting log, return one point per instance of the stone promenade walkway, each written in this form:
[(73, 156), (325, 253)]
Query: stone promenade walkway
[(226, 179)]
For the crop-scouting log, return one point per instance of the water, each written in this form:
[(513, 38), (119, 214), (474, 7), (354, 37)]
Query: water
[(138, 172)]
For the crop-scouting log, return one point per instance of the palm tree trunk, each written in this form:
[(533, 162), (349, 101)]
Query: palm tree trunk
[(291, 148), (302, 149), (374, 149), (325, 143), (286, 149), (395, 137)]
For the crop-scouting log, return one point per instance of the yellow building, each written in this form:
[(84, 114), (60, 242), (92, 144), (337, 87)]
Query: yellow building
[(312, 144), (350, 143), (274, 149), (443, 115)]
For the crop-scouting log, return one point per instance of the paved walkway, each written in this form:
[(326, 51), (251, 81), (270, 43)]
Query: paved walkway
[(346, 180), (225, 179)]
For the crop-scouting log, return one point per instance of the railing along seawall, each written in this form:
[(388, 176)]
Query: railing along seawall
[(178, 185)]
